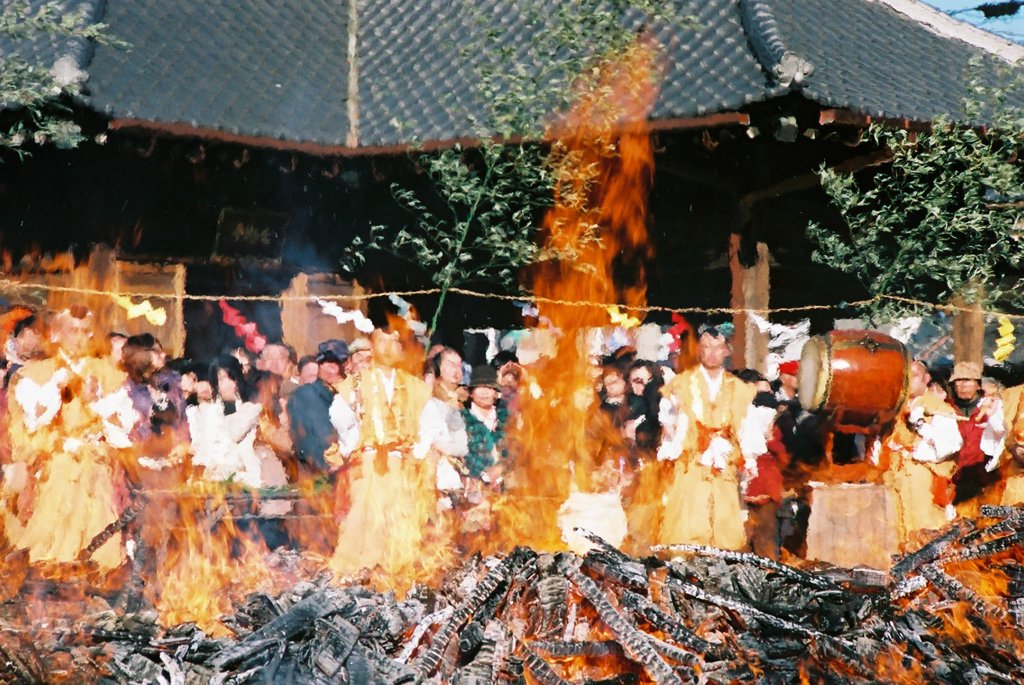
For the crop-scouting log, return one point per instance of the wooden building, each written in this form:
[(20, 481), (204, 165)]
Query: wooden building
[(246, 143)]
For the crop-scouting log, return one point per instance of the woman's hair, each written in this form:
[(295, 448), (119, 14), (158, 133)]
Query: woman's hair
[(233, 368), (137, 357)]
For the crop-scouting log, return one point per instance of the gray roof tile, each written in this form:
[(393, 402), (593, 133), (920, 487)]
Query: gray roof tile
[(279, 69)]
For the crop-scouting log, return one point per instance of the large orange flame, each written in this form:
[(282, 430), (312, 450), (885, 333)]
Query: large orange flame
[(596, 237)]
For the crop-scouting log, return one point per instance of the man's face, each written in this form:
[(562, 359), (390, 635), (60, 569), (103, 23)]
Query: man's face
[(330, 372), (788, 381), (712, 352), (614, 385), (358, 361), (274, 358), (387, 348), (159, 358), (74, 334), (638, 380), (966, 389), (309, 373), (116, 346), (451, 369), (919, 380)]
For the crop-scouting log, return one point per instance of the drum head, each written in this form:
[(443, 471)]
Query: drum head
[(813, 376)]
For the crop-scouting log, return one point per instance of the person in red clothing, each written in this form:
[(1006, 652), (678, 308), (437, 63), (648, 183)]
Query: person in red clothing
[(763, 490), (983, 429)]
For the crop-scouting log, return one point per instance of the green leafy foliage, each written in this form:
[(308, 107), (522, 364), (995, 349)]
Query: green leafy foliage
[(944, 219), (480, 223), (37, 97)]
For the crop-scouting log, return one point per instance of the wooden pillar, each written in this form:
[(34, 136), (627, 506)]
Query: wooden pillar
[(303, 324), (749, 291), (968, 332)]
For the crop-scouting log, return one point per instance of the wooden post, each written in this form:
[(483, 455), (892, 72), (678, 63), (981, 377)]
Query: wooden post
[(968, 332), (749, 291), (303, 324)]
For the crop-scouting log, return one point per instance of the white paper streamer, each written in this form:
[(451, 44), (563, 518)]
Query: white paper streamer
[(343, 316)]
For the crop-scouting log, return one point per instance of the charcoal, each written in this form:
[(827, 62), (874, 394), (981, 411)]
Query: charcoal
[(136, 668), (470, 639), (624, 679), (335, 640), (1002, 512), (421, 628), (985, 549)]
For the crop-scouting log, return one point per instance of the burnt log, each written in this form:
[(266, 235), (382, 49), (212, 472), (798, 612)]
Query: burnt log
[(540, 669), (301, 616), (101, 538), (643, 607), (431, 659), (932, 550), (802, 577), (956, 590), (562, 649), (635, 642)]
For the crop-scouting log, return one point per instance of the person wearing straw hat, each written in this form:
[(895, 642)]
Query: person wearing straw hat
[(983, 429)]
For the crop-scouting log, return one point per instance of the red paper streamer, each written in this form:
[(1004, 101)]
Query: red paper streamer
[(254, 341), (679, 326)]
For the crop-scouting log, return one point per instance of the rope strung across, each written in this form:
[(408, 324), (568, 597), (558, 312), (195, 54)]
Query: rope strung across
[(18, 285)]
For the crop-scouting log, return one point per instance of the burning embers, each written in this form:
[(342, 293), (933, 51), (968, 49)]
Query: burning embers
[(705, 616)]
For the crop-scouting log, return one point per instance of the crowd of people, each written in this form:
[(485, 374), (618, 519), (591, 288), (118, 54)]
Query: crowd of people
[(715, 456)]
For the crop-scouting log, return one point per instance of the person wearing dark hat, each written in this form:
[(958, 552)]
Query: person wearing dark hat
[(332, 356), (486, 422), (486, 426), (983, 430), (309, 411)]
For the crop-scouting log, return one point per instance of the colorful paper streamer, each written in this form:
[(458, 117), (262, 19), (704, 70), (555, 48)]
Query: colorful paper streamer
[(254, 341), (154, 315)]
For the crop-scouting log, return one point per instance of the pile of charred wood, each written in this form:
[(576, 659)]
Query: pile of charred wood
[(948, 612)]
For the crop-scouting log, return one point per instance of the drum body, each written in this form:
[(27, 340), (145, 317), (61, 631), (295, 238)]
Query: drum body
[(859, 378)]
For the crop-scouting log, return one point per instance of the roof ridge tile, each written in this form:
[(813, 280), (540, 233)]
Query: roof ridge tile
[(788, 68)]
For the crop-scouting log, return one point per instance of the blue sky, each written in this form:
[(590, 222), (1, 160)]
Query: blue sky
[(1009, 27)]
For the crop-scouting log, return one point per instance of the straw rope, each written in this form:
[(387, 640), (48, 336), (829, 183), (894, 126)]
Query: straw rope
[(357, 297)]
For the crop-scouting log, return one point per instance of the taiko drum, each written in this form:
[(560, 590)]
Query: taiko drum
[(859, 378)]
